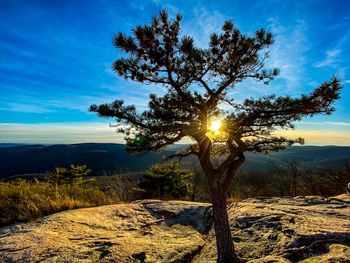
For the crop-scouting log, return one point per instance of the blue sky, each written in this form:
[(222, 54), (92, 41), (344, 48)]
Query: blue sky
[(56, 60)]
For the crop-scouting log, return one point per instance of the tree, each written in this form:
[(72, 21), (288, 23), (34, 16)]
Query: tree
[(56, 177), (74, 175), (197, 82), (167, 179), (293, 169), (348, 172)]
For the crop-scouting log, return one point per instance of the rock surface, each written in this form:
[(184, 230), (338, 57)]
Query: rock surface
[(302, 229), (150, 231)]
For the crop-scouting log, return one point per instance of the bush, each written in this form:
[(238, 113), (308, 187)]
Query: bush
[(167, 179), (22, 201), (120, 186), (74, 175)]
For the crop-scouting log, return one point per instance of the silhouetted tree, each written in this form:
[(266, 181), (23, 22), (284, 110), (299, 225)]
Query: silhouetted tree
[(347, 164), (198, 81), (293, 168)]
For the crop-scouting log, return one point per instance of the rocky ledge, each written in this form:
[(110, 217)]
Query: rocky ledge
[(302, 229)]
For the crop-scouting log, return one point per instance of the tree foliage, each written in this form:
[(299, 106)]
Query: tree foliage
[(198, 81), (74, 175), (167, 179)]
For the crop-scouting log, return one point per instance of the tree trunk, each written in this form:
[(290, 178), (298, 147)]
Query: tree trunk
[(225, 247)]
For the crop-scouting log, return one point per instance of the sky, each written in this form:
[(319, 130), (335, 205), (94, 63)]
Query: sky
[(56, 57)]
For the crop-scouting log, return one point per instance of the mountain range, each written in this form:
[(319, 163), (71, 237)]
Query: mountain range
[(110, 158)]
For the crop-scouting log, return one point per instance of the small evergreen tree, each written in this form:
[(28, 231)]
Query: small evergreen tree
[(293, 170), (74, 175), (167, 179), (57, 176)]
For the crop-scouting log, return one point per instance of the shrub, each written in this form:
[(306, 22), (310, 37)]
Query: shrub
[(120, 186), (74, 175), (167, 179), (22, 201)]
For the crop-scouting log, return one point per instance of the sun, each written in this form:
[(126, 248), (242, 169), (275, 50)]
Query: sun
[(215, 125)]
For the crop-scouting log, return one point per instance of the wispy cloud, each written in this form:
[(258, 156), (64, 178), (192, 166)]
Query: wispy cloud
[(202, 24), (288, 53), (332, 57), (25, 107), (14, 99), (77, 132), (199, 22), (321, 132), (319, 137), (53, 76), (325, 123), (289, 56), (73, 132)]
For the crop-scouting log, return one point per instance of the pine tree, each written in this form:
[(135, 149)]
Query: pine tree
[(56, 178), (76, 175), (167, 179), (198, 81), (73, 175)]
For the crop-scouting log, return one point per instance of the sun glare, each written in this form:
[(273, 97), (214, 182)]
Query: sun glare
[(215, 125)]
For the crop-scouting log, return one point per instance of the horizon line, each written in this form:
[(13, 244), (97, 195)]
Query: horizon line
[(73, 143)]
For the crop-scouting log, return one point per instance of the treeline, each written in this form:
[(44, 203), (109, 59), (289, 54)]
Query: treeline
[(74, 187), (170, 181), (291, 179)]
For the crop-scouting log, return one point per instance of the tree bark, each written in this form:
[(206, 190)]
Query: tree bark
[(224, 244), (218, 182)]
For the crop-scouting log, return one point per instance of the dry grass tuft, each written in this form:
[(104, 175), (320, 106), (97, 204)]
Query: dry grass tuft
[(22, 201)]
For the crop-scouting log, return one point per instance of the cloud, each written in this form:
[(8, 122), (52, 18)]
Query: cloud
[(202, 24), (321, 132), (75, 132), (288, 53), (319, 137), (332, 57), (78, 132), (198, 22), (14, 99), (26, 107), (343, 22), (325, 123)]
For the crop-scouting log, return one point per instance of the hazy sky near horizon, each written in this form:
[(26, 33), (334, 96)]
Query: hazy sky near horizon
[(56, 59)]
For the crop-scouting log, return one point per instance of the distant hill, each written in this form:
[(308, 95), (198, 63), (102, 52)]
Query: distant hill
[(99, 157), (11, 144), (307, 156), (109, 157)]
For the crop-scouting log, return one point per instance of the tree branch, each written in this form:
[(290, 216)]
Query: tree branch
[(181, 155)]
